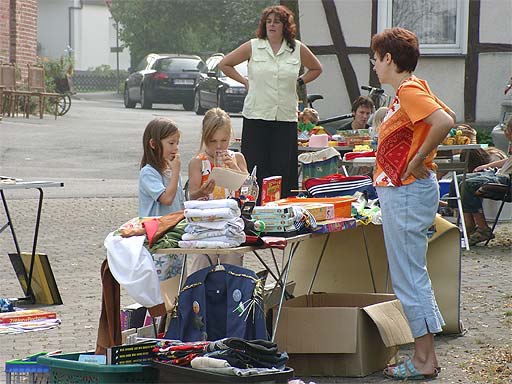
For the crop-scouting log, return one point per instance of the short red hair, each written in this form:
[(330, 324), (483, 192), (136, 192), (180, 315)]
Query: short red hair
[(401, 44)]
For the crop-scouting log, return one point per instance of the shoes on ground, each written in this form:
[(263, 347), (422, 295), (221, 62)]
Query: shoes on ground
[(480, 235)]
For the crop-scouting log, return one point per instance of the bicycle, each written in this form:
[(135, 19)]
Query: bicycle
[(62, 103), (378, 96)]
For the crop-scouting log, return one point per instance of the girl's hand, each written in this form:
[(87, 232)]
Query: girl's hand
[(230, 162), (207, 188), (175, 164), (416, 168)]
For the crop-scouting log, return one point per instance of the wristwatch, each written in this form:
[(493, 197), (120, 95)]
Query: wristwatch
[(300, 81)]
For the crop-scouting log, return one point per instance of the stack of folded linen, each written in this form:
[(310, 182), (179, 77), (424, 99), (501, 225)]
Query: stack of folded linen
[(212, 224)]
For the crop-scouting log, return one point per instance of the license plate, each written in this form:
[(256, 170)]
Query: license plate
[(183, 81)]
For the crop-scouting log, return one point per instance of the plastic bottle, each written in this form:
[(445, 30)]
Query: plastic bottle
[(250, 189)]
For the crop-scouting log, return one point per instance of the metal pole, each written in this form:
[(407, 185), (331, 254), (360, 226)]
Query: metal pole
[(117, 55)]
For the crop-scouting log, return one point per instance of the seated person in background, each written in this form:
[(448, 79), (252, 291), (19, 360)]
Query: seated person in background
[(362, 108), (495, 172), (378, 117), (308, 119)]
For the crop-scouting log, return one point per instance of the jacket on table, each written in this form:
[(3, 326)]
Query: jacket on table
[(215, 304)]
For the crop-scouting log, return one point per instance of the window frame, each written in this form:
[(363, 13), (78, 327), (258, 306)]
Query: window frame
[(384, 20)]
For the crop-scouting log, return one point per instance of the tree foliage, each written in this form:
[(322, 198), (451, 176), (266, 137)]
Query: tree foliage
[(186, 26)]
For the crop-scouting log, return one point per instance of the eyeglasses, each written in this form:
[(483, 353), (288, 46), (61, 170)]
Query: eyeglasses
[(373, 61)]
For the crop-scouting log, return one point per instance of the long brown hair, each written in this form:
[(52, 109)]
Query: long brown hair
[(157, 129), (286, 17)]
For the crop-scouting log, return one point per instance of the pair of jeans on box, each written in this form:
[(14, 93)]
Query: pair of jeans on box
[(407, 213)]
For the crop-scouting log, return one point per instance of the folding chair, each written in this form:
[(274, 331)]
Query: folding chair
[(497, 192)]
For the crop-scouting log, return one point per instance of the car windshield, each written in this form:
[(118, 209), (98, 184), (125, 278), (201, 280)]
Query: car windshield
[(241, 68), (176, 64)]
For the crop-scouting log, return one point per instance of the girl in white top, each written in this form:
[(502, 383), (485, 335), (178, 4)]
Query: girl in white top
[(269, 136)]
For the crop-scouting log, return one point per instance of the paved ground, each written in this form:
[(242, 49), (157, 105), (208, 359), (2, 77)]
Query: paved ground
[(74, 226)]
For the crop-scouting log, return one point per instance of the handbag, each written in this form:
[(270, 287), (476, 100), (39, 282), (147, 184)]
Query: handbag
[(339, 185)]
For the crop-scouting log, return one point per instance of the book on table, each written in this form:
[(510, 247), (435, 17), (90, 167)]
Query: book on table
[(138, 353)]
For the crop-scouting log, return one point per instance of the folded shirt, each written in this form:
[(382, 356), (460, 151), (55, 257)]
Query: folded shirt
[(355, 155)]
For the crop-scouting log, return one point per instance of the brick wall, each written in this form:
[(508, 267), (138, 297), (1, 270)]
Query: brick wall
[(18, 32), (4, 30)]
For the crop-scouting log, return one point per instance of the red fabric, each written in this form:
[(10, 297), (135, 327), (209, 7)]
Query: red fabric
[(334, 178), (274, 242), (355, 155), (392, 155), (150, 226)]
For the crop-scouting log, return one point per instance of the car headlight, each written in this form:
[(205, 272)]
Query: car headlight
[(235, 90)]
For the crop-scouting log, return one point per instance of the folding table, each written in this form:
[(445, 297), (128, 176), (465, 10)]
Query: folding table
[(39, 185), (282, 273)]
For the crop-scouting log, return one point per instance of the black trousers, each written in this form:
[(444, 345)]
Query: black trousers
[(272, 146)]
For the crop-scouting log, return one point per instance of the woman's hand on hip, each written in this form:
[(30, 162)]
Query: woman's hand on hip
[(417, 169)]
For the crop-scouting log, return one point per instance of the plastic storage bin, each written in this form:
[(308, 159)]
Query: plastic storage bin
[(176, 374), (26, 371), (66, 368)]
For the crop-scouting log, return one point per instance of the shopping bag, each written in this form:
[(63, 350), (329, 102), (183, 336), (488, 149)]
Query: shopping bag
[(339, 185), (319, 163)]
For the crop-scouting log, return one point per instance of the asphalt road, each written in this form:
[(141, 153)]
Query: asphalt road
[(95, 149)]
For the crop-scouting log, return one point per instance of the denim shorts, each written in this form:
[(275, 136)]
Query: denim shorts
[(407, 213)]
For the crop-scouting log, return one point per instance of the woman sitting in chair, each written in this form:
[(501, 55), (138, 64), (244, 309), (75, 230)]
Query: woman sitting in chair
[(495, 172)]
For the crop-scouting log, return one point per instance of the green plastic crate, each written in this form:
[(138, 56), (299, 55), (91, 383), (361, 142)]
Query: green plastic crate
[(27, 371), (66, 369)]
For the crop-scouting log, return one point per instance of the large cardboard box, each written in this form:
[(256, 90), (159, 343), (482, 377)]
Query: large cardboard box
[(341, 334)]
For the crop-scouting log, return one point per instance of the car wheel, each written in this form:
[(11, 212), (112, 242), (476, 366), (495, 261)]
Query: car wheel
[(128, 103), (189, 105), (145, 101), (197, 105)]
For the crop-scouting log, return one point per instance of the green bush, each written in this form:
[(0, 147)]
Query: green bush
[(56, 69)]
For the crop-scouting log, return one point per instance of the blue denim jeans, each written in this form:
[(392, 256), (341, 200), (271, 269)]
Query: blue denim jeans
[(470, 202), (407, 213)]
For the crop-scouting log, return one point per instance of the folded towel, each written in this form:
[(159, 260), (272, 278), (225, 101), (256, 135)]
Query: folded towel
[(208, 204), (213, 214)]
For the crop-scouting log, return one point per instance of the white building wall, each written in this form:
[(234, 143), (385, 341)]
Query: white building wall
[(52, 27), (92, 33), (444, 74)]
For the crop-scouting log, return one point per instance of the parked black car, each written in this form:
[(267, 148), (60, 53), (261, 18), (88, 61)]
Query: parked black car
[(215, 89), (163, 78)]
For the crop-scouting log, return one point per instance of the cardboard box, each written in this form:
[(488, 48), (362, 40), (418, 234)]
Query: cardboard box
[(341, 334), (270, 189), (320, 211), (342, 204)]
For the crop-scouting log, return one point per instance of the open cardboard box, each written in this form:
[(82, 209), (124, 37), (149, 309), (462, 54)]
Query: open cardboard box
[(341, 334)]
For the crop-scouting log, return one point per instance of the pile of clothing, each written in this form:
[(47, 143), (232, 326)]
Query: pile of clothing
[(232, 356), (212, 224)]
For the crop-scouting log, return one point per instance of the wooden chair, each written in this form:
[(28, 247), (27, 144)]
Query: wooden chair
[(11, 95), (37, 87)]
